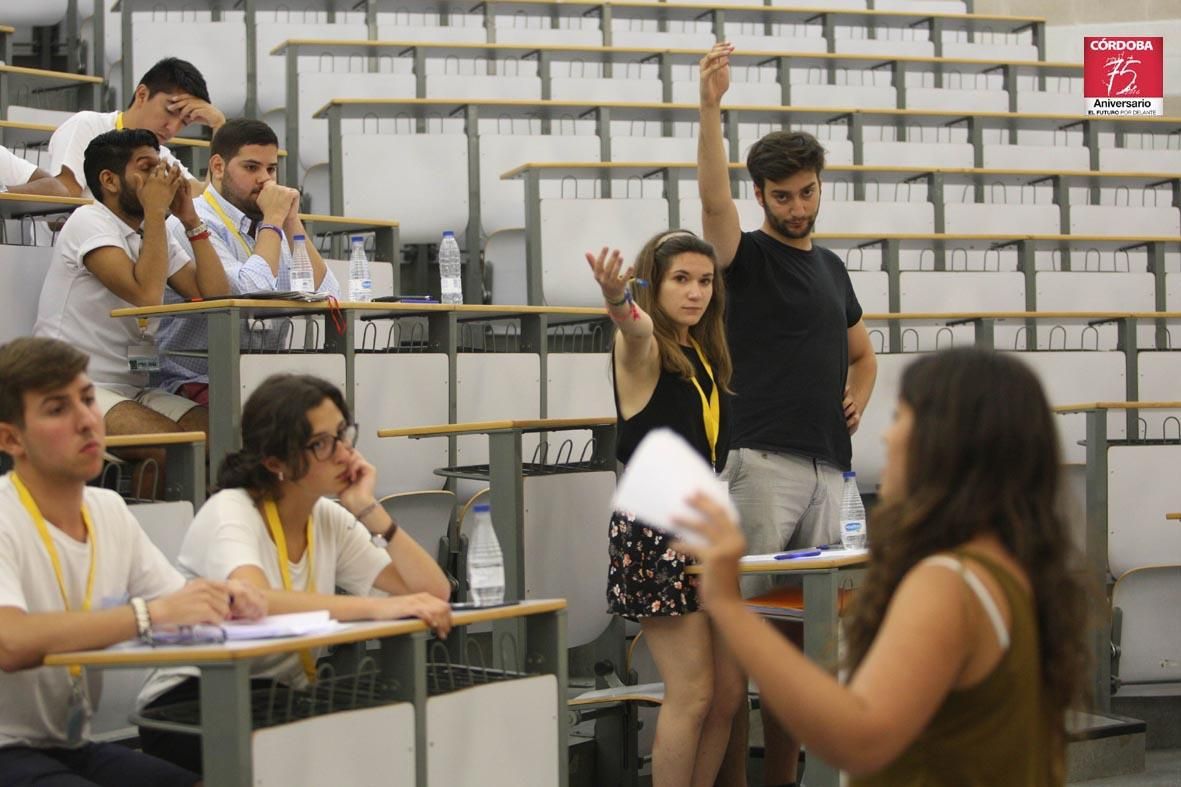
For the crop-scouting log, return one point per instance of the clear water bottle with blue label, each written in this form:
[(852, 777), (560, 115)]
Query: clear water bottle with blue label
[(360, 285), (450, 269), (301, 266), (485, 561), (853, 531)]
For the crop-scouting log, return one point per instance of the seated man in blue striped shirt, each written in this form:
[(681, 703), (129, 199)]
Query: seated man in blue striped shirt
[(252, 222)]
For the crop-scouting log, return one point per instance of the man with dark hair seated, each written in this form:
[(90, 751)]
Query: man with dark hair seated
[(171, 95), (117, 253), (252, 222), (76, 572)]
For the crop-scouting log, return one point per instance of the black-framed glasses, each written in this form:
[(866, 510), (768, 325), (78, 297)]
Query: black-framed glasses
[(324, 446)]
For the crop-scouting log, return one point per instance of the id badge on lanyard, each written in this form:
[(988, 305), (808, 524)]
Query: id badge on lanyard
[(142, 356), (77, 712)]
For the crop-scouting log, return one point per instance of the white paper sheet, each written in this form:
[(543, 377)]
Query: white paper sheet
[(662, 475), (293, 624)]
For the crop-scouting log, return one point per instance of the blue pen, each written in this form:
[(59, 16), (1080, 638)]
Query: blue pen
[(795, 553)]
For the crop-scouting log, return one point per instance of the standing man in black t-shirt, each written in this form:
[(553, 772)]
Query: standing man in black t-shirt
[(804, 367)]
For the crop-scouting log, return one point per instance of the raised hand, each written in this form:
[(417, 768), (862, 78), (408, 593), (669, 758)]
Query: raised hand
[(194, 110), (606, 268), (199, 601), (714, 74), (157, 188), (429, 609)]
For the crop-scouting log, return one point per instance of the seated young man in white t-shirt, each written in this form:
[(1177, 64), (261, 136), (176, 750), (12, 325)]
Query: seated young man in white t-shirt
[(171, 95), (24, 177), (117, 253), (76, 573)]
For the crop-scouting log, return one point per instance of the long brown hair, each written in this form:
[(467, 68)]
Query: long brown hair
[(983, 458), (652, 265)]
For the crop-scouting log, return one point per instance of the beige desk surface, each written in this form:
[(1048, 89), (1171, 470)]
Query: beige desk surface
[(795, 566), (41, 73), (1175, 515), (1048, 315), (236, 651), (475, 49), (565, 167), (369, 308), (1084, 406), (29, 204), (481, 427), (5, 29), (168, 438)]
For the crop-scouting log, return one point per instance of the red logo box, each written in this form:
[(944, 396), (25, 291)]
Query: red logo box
[(1124, 75)]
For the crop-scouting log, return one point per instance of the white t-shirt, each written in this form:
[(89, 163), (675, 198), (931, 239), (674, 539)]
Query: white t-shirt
[(34, 702), (229, 532), (67, 146), (76, 306), (14, 170)]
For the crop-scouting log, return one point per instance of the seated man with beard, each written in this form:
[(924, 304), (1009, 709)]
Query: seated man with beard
[(117, 253), (253, 221)]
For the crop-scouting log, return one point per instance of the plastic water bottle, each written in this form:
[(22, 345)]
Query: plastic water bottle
[(360, 285), (450, 272), (853, 532), (301, 266), (485, 562)]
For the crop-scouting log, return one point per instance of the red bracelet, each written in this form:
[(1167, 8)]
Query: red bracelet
[(201, 236)]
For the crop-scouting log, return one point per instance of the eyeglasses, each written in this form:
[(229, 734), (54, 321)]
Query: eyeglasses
[(324, 446)]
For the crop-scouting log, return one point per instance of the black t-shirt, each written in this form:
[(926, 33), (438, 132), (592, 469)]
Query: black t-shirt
[(675, 404), (787, 314)]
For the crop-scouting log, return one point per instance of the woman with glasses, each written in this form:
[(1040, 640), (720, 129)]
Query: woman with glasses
[(272, 524)]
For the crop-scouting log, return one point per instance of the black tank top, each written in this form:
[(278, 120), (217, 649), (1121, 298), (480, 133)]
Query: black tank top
[(675, 404)]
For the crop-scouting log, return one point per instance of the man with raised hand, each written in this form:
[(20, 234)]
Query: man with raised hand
[(171, 95), (253, 222), (76, 573), (804, 367), (117, 253)]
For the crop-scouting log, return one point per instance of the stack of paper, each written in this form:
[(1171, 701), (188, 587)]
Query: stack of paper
[(293, 624), (662, 475)]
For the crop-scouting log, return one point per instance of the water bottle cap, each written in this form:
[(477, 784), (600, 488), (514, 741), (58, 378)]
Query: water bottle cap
[(298, 237), (357, 238), (848, 474), (448, 234), (482, 508)]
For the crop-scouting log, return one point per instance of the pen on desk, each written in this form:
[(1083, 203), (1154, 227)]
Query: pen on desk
[(795, 553)]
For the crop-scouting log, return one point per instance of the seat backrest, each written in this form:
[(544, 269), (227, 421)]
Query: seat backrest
[(1139, 160), (968, 100), (758, 94), (919, 154), (884, 46), (478, 86), (959, 291), (502, 202), (862, 96), (885, 217), (1146, 598), (495, 386), (869, 455), (504, 262), (750, 214), (1141, 489), (1064, 157), (272, 69), (1158, 373), (1000, 218), (22, 272), (592, 89), (983, 50), (1049, 101), (1124, 220), (1093, 291), (1072, 377), (217, 49), (425, 515), (435, 160), (317, 88), (569, 227), (34, 13)]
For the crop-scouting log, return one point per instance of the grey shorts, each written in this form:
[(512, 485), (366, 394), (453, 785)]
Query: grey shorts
[(786, 501)]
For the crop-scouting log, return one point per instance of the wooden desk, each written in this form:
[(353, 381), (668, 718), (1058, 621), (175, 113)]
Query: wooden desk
[(184, 461), (27, 86), (402, 661), (823, 578), (1176, 516), (19, 206)]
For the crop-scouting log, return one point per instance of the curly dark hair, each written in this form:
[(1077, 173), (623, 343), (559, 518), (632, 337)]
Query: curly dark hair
[(983, 458), (275, 424)]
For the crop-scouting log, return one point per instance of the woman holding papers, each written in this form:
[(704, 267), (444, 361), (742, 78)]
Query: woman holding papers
[(273, 526), (967, 639), (671, 369)]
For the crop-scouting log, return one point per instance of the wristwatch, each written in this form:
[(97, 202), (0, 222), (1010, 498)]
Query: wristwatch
[(143, 620), (195, 231)]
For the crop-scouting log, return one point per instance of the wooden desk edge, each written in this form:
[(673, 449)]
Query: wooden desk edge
[(479, 427), (794, 566), (210, 654), (168, 438), (1085, 406)]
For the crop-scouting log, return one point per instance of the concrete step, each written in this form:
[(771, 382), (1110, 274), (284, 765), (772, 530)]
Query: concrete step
[(1104, 745)]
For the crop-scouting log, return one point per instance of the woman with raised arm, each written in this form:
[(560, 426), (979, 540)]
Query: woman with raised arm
[(671, 368), (967, 640), (274, 526)]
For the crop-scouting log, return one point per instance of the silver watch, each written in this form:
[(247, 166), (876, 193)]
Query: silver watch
[(143, 620)]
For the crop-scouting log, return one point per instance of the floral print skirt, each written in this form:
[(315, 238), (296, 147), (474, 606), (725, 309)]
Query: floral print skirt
[(646, 578)]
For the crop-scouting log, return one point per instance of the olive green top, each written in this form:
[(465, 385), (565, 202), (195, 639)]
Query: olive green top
[(993, 734)]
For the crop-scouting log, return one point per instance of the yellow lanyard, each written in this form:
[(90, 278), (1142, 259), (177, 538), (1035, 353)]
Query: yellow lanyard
[(43, 530), (711, 407), (305, 656), (118, 121), (221, 214)]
